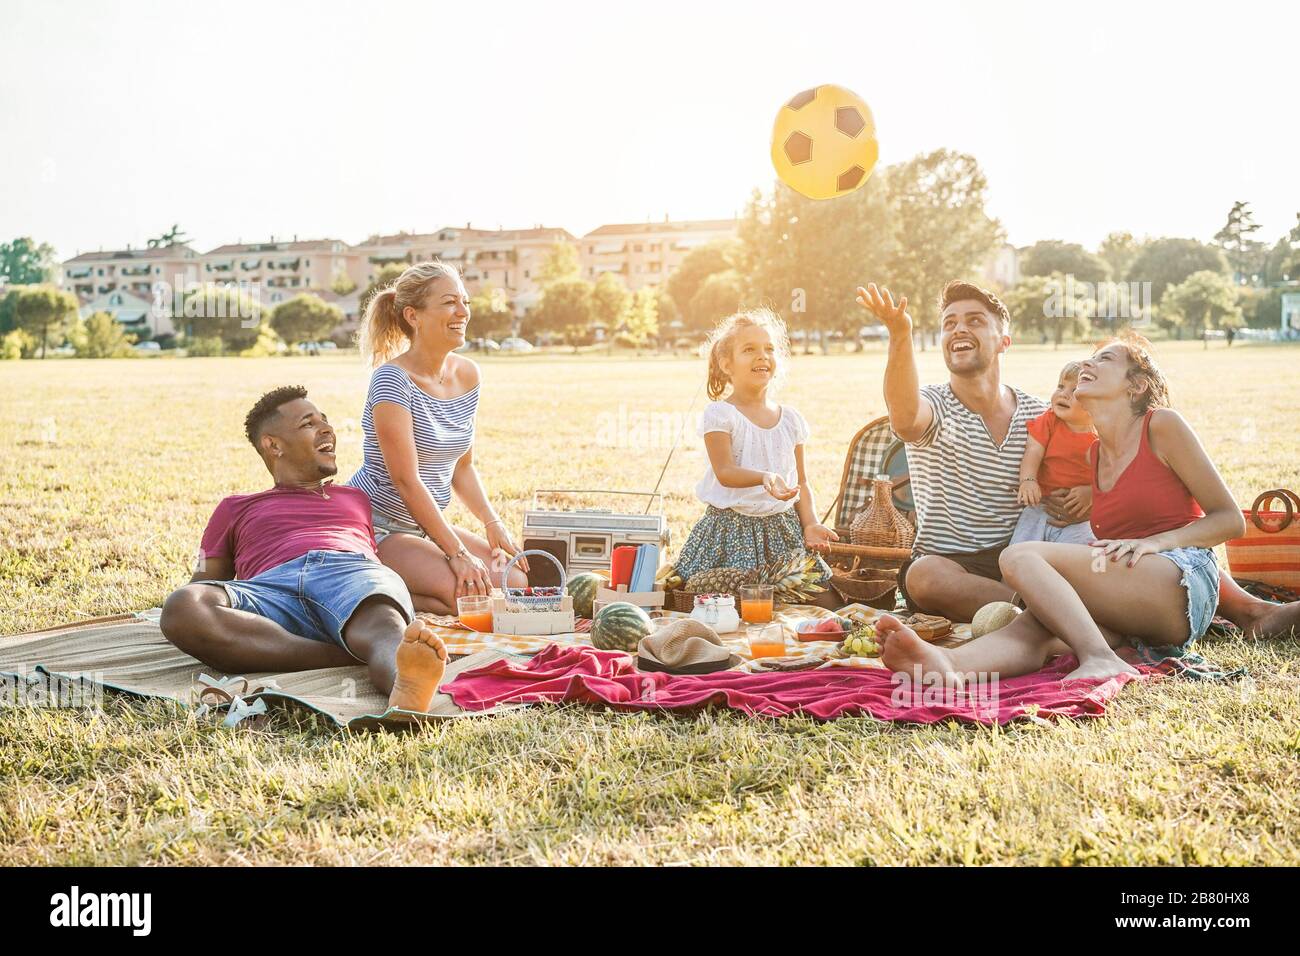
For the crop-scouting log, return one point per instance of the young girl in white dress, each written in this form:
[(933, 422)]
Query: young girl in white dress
[(759, 504)]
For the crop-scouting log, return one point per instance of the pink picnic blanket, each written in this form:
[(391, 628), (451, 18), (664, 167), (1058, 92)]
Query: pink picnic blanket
[(567, 673)]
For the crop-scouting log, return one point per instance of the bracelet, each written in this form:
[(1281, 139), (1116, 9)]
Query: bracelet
[(1023, 480), (462, 553), (495, 521)]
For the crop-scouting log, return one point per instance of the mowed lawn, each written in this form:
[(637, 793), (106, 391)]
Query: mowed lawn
[(111, 468)]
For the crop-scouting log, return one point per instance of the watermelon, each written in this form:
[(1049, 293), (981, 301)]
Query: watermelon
[(620, 627), (582, 588)]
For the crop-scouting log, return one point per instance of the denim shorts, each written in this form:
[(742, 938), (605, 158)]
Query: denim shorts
[(1201, 580), (386, 525), (315, 595)]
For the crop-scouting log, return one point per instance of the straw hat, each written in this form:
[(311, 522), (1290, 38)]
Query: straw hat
[(684, 646)]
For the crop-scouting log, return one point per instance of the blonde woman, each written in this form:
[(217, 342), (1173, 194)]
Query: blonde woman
[(418, 427)]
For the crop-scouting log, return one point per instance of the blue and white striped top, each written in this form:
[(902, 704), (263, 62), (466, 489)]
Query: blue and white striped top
[(444, 431)]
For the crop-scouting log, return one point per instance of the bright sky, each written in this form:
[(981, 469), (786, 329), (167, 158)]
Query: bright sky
[(325, 119)]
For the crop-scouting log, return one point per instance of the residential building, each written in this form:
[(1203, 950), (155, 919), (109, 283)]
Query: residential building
[(91, 274), (140, 314), (506, 259), (647, 253), (281, 269)]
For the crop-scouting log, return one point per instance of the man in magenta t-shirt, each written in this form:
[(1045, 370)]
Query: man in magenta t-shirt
[(288, 578)]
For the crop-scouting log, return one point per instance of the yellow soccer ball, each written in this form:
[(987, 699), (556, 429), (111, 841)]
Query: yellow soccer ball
[(824, 142)]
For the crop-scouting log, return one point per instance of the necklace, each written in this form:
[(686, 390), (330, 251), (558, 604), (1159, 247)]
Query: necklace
[(320, 492)]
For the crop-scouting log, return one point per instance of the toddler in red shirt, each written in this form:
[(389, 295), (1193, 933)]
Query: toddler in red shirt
[(1056, 457)]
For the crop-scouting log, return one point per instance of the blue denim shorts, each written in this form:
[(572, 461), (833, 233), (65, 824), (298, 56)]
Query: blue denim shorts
[(1201, 581), (385, 525), (315, 595)]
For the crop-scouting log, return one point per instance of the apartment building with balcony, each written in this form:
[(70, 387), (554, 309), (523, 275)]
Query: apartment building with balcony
[(92, 274), (507, 259), (281, 269), (647, 253)]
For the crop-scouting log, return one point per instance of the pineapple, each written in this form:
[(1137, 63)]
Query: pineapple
[(793, 579)]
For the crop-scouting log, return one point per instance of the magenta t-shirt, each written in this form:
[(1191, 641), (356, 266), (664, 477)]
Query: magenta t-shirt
[(271, 527)]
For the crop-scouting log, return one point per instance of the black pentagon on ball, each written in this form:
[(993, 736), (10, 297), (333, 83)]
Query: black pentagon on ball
[(798, 148), (849, 121), (850, 178), (801, 100)]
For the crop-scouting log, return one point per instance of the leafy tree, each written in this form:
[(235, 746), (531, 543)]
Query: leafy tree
[(25, 262), (609, 300), (490, 313), (342, 284), (1117, 251), (695, 267), (1050, 306), (804, 258), (936, 204), (100, 336), (17, 344), (1205, 299), (1050, 256), (171, 237), (386, 276), (43, 312), (640, 318), (1235, 238), (719, 296), (666, 308), (1167, 262), (305, 318), (567, 309), (221, 312), (561, 262)]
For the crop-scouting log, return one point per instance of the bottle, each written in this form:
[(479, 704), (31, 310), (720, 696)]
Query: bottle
[(880, 524)]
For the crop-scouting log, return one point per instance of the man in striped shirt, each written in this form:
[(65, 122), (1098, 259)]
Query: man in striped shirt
[(965, 440)]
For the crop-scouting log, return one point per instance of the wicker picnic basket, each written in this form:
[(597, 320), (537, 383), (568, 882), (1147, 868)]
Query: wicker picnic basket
[(880, 524), (874, 451), (875, 587)]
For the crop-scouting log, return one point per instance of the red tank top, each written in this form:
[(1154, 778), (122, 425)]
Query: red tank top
[(1147, 499)]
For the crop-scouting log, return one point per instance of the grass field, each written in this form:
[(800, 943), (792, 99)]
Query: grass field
[(111, 469)]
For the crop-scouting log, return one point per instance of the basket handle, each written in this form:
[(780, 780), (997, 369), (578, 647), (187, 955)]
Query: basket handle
[(505, 572), (1290, 504)]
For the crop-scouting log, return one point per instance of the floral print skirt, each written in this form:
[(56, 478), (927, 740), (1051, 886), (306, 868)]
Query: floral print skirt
[(728, 539)]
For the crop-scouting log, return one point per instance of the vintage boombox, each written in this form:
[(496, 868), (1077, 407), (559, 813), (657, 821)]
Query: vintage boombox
[(583, 539)]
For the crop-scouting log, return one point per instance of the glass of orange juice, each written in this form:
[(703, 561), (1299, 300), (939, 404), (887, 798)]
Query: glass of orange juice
[(756, 603), (475, 611), (766, 640)]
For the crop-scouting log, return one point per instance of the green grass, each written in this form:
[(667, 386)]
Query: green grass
[(113, 467)]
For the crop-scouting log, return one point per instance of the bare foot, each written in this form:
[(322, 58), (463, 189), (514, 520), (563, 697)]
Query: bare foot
[(421, 660), (1271, 621), (1100, 668), (904, 652)]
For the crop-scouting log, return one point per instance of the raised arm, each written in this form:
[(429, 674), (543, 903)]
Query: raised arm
[(910, 415)]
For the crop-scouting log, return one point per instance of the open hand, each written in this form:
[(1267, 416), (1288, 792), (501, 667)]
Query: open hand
[(818, 537), (499, 540), (471, 575), (880, 303), (775, 486)]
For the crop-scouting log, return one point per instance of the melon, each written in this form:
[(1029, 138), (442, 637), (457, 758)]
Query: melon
[(582, 588), (992, 617), (620, 626)]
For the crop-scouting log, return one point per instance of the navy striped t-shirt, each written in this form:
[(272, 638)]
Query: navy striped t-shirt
[(444, 431)]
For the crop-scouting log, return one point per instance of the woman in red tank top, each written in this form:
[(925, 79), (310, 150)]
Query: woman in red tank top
[(1159, 505)]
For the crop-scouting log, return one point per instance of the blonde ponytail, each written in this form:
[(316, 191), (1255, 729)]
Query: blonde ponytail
[(385, 332)]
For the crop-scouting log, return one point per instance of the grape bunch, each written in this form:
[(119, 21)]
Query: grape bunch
[(862, 642)]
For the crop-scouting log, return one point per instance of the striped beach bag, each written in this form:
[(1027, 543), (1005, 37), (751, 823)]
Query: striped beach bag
[(1270, 551)]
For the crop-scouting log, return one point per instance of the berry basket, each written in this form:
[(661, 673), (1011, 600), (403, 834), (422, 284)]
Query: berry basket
[(532, 611)]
